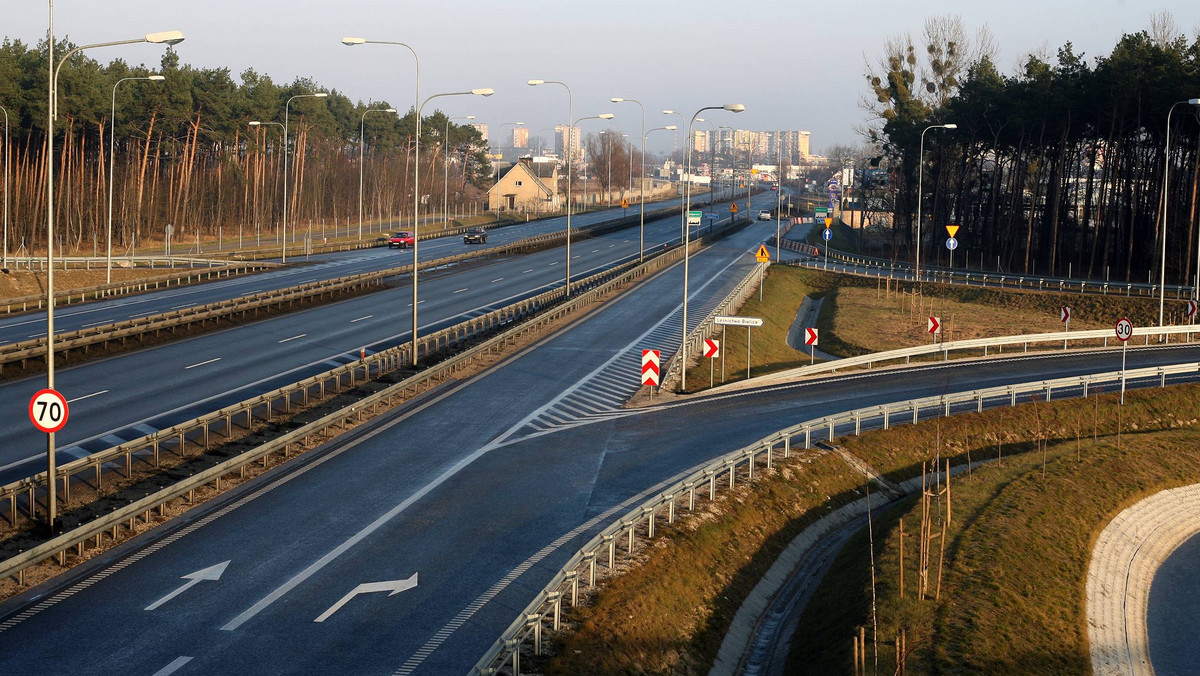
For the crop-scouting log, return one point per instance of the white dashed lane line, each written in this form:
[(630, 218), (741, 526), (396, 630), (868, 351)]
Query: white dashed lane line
[(202, 363), (498, 279), (524, 272), (361, 318), (293, 338), (86, 396), (459, 291)]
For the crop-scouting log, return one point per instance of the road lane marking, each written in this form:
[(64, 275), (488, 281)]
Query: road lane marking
[(574, 257), (95, 324), (556, 262), (174, 666), (361, 318), (86, 396), (176, 307), (459, 291), (202, 363), (143, 314), (293, 338), (498, 279), (526, 271)]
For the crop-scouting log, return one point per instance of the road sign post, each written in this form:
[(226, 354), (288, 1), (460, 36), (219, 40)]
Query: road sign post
[(762, 257), (1124, 330), (747, 322), (810, 339), (1191, 313), (712, 350), (951, 243), (1064, 316), (650, 370), (934, 326), (694, 217)]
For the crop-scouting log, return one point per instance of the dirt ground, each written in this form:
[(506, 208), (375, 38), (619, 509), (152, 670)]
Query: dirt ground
[(18, 283)]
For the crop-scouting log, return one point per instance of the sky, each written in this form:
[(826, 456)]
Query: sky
[(793, 64)]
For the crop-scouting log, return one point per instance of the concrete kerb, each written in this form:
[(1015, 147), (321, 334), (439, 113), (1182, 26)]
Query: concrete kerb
[(1124, 559)]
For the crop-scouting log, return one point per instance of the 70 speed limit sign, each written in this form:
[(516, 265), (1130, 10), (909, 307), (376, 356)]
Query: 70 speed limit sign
[(48, 410)]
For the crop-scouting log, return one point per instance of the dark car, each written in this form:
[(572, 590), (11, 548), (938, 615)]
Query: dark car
[(401, 240), (475, 236)]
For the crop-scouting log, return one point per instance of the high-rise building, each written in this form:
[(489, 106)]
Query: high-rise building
[(483, 130), (520, 137), (567, 138)]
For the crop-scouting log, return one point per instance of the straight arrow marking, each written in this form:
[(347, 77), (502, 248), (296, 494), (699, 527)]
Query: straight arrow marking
[(210, 573), (392, 586)]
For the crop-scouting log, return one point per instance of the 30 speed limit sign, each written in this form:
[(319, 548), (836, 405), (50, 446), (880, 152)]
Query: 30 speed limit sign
[(48, 410), (1124, 329)]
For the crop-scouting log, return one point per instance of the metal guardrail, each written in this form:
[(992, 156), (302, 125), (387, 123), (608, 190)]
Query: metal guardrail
[(169, 321), (215, 270), (197, 432), (1099, 338), (884, 267), (707, 327), (525, 632)]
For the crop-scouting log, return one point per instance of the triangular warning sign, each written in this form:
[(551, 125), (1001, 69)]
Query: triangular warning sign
[(762, 254), (952, 230)]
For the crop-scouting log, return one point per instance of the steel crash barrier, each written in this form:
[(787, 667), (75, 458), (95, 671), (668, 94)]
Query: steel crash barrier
[(882, 267), (66, 342), (619, 537), (25, 498), (213, 270)]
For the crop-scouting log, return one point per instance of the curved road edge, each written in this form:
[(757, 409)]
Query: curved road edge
[(1126, 557)]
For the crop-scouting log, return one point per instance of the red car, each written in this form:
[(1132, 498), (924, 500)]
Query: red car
[(401, 240)]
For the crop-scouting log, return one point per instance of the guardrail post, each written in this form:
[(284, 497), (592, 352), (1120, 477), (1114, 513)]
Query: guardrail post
[(1048, 388), (573, 576), (946, 401), (514, 646), (731, 466), (886, 417), (712, 484), (611, 541), (1085, 389), (916, 412), (807, 438), (832, 425), (750, 464), (787, 446), (857, 423), (555, 598), (1013, 393), (979, 399), (670, 498), (770, 448), (1162, 377), (590, 559), (631, 525), (649, 513)]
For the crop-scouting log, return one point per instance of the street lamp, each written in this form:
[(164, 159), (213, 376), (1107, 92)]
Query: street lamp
[(567, 151), (733, 108), (730, 162), (1162, 275), (645, 136), (286, 110), (350, 42), (920, 175), (111, 163), (417, 202), (165, 37), (362, 134), (7, 156), (446, 166)]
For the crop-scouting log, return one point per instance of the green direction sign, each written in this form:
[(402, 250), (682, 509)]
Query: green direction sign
[(821, 212), (694, 217)]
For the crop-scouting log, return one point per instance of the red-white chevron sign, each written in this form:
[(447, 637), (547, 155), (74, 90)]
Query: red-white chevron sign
[(810, 336), (935, 325), (650, 375), (712, 348)]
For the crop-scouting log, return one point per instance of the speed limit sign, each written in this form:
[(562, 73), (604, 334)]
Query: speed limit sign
[(48, 410), (1124, 329)]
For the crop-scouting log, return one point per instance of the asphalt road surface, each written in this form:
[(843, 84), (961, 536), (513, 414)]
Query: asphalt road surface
[(480, 491)]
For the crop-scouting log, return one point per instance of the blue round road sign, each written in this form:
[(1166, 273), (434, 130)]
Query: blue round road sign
[(828, 234), (952, 244)]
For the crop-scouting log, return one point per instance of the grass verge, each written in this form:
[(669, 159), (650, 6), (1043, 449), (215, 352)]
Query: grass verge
[(860, 315), (1018, 541)]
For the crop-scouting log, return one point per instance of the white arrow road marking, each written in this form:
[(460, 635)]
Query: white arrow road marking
[(393, 586), (210, 573)]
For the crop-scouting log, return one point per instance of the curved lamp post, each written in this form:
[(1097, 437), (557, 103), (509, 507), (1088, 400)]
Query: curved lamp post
[(111, 163), (733, 108), (286, 110), (1162, 274), (568, 153), (645, 136), (417, 203), (920, 175), (165, 38), (4, 263), (362, 133)]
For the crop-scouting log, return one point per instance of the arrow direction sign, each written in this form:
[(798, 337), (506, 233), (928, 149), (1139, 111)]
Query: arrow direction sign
[(1191, 309), (392, 586), (211, 573), (1064, 314), (810, 336), (712, 348), (935, 325)]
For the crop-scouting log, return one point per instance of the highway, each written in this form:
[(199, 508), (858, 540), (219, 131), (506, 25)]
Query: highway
[(480, 491), (299, 271), (134, 394)]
